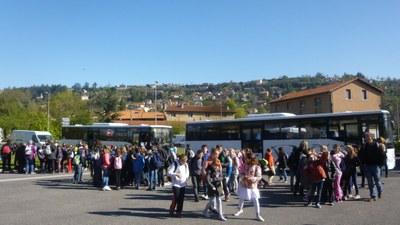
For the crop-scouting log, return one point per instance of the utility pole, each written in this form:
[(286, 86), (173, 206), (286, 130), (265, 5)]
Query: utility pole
[(155, 103)]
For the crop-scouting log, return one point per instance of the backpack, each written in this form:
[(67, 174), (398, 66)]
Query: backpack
[(6, 149), (48, 150), (70, 154), (291, 162), (28, 150), (77, 159), (169, 160), (189, 153), (157, 162)]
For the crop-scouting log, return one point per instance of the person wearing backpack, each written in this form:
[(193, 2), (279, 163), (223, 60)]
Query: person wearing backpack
[(371, 157), (6, 155), (77, 162), (138, 164), (189, 153), (154, 164), (195, 167), (30, 154), (179, 174), (41, 157)]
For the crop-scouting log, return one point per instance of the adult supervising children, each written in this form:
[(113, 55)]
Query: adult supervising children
[(372, 157), (249, 177)]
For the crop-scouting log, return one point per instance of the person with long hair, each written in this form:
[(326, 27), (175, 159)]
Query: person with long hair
[(105, 168), (337, 158), (382, 146), (118, 168), (350, 175), (214, 179), (249, 177)]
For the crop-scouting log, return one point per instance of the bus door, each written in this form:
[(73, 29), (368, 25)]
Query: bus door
[(92, 137), (351, 133), (252, 138), (370, 127), (135, 136)]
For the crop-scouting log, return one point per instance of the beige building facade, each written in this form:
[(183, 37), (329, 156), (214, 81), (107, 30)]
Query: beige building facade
[(351, 95)]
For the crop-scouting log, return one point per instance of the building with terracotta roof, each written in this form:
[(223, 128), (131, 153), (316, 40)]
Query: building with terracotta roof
[(175, 115), (195, 113), (350, 95), (140, 116)]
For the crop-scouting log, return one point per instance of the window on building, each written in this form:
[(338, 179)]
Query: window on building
[(276, 108), (288, 107), (364, 95), (348, 94), (207, 114), (302, 104), (173, 114), (190, 114), (317, 102)]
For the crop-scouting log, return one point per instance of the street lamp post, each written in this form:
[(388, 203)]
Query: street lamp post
[(155, 103), (48, 111), (397, 116)]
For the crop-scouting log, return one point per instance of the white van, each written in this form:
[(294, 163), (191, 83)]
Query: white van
[(179, 140), (24, 136)]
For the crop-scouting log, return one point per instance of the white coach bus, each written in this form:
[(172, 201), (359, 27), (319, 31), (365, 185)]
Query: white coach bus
[(262, 131)]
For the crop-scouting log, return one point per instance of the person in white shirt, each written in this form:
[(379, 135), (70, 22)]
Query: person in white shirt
[(179, 174)]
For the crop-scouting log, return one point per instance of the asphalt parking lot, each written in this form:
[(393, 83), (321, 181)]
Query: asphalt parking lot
[(53, 199)]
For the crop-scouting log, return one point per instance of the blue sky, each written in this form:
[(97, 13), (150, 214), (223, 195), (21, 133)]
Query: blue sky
[(191, 42)]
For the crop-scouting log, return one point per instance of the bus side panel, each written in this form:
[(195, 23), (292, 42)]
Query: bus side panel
[(196, 145), (288, 144), (391, 158)]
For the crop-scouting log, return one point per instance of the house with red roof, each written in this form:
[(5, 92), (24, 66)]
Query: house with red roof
[(351, 95)]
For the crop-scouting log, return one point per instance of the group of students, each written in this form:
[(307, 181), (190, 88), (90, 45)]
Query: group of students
[(327, 176), (52, 157), (222, 172), (330, 176)]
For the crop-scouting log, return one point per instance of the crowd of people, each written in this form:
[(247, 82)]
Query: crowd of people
[(323, 176)]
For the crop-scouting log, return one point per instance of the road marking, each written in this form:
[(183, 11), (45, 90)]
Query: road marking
[(33, 177)]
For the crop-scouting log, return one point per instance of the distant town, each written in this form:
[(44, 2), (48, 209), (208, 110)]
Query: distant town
[(49, 107)]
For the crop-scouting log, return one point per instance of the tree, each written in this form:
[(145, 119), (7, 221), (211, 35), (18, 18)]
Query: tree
[(107, 102), (231, 104), (240, 113), (70, 104), (14, 108)]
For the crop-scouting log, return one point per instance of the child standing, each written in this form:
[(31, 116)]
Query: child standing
[(249, 177), (118, 168), (214, 178)]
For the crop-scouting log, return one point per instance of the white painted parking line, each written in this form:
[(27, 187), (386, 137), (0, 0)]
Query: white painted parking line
[(35, 177)]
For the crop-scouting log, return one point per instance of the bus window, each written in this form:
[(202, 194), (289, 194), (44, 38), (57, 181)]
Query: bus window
[(313, 129), (289, 131), (271, 131), (230, 132)]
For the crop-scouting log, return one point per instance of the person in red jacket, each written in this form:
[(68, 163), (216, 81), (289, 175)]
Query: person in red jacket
[(316, 173), (271, 165)]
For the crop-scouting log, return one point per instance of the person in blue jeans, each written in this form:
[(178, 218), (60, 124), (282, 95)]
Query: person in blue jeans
[(138, 166), (105, 168), (77, 161), (30, 154), (314, 169), (282, 165), (152, 171), (371, 157)]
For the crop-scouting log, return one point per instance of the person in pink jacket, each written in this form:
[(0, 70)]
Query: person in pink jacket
[(105, 166), (249, 177), (118, 168)]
